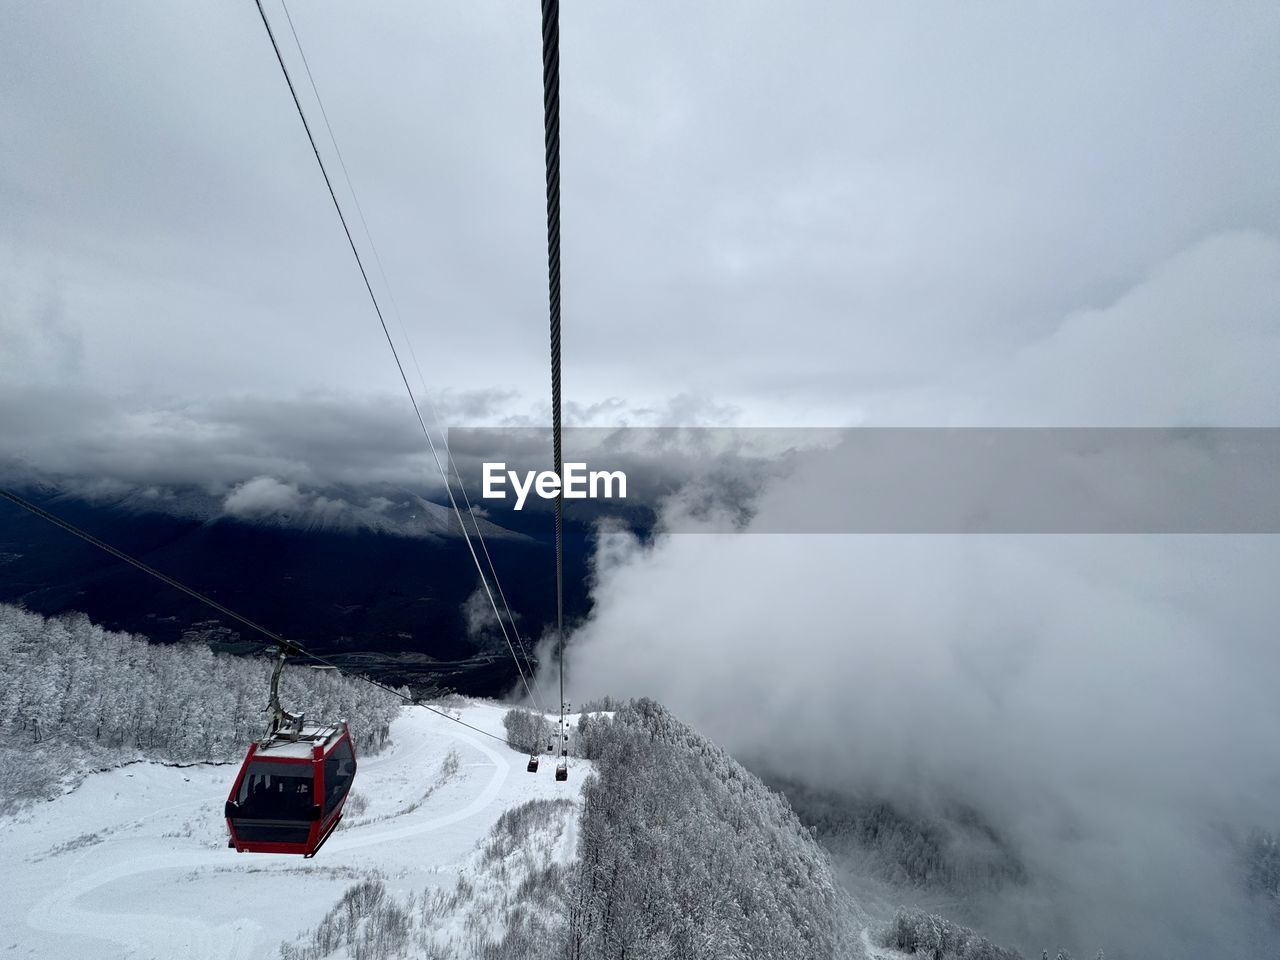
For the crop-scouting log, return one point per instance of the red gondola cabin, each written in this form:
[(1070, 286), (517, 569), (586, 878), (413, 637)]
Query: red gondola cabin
[(289, 793)]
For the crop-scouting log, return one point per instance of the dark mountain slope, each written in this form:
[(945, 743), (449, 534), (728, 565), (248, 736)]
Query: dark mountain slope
[(394, 600)]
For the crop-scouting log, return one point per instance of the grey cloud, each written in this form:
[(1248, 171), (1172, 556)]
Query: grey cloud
[(324, 459), (792, 215), (1107, 703), (318, 440), (1192, 343)]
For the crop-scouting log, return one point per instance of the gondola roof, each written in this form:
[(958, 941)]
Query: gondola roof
[(302, 747)]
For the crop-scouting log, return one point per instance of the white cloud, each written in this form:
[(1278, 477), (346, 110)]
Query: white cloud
[(1194, 343), (1105, 702), (263, 496), (1109, 702)]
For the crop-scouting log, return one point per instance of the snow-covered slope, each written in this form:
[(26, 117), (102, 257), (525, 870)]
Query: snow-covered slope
[(134, 862)]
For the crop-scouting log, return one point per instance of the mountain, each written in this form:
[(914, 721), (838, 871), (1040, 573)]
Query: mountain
[(382, 581), (342, 509)]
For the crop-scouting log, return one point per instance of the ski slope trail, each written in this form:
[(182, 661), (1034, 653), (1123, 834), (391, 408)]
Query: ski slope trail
[(134, 862)]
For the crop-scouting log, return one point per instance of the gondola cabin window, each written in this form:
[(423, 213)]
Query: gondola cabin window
[(339, 771), (276, 791), (275, 802)]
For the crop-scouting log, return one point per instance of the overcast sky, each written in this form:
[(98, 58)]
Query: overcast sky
[(804, 214), (801, 213)]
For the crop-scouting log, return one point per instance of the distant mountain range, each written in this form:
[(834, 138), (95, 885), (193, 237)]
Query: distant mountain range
[(378, 576)]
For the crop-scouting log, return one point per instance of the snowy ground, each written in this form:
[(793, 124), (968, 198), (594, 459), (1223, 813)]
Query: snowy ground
[(134, 862)]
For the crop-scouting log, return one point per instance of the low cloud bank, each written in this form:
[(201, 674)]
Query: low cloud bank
[(1111, 704)]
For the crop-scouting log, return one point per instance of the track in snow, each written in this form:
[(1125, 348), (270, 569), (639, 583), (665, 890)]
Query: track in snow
[(134, 863)]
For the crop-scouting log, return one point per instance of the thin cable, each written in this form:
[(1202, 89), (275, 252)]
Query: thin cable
[(290, 646), (121, 555), (551, 142), (355, 252), (413, 354), (496, 582)]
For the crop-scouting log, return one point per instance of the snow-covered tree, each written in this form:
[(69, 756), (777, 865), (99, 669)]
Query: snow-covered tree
[(76, 691), (684, 853)]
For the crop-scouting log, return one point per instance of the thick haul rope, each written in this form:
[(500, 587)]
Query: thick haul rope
[(551, 137)]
